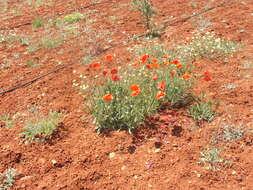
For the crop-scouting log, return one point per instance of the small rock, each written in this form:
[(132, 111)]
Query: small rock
[(54, 162), (112, 155), (26, 178), (157, 150), (123, 167)]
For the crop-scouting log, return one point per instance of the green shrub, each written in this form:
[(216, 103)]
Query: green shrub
[(37, 23), (41, 127), (202, 111)]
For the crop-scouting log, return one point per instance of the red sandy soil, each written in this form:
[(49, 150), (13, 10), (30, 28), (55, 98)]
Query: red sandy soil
[(163, 157)]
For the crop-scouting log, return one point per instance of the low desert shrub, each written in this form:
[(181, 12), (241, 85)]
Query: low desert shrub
[(41, 127)]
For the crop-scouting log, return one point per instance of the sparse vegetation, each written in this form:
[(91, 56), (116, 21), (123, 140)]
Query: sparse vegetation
[(7, 179), (206, 46), (73, 18), (51, 43), (202, 111), (37, 23), (147, 10), (41, 127), (6, 118), (210, 158), (228, 133)]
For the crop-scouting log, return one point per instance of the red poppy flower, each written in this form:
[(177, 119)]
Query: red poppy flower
[(175, 62), (172, 73), (105, 72), (109, 57), (149, 66), (207, 78), (115, 78), (108, 97), (160, 94), (206, 73), (135, 87), (186, 76), (162, 85), (155, 77), (144, 58), (136, 93), (114, 71), (41, 10)]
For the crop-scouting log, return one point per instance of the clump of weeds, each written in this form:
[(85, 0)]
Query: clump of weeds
[(211, 158), (7, 179), (41, 128)]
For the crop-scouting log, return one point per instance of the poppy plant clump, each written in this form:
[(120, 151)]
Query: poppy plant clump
[(126, 99)]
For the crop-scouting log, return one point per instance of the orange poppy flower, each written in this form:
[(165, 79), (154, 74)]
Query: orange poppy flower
[(109, 57), (165, 56), (186, 42), (160, 94), (135, 87), (162, 85), (154, 60), (166, 63), (172, 73), (136, 93), (186, 76), (179, 66), (108, 97), (136, 64), (155, 65), (95, 65), (155, 77)]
